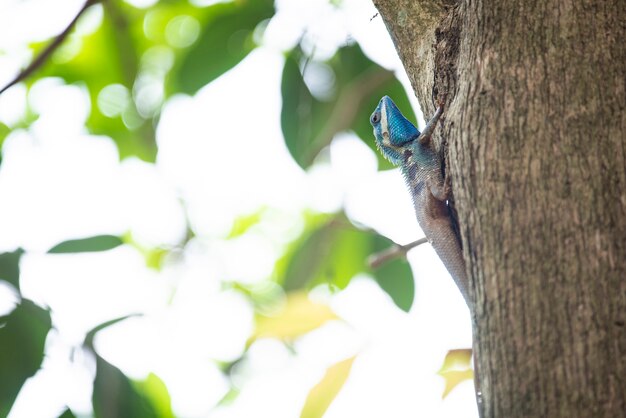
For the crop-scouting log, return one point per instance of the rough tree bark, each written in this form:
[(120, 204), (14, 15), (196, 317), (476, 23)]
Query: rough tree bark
[(535, 139)]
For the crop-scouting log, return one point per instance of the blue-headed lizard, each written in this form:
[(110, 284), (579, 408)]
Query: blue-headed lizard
[(421, 165)]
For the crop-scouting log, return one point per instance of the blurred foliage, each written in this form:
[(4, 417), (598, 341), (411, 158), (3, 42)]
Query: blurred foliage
[(115, 395), (156, 391), (335, 251), (309, 124), (4, 131), (231, 24), (130, 62), (244, 223), (22, 336)]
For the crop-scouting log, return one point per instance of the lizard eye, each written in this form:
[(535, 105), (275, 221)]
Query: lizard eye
[(375, 118)]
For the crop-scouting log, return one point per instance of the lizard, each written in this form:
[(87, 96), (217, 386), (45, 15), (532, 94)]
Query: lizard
[(421, 166)]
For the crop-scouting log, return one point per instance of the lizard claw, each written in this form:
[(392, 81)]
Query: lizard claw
[(447, 187)]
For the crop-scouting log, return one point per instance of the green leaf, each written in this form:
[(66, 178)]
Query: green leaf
[(323, 394), (114, 395), (395, 277), (4, 132), (67, 414), (309, 124), (351, 249), (336, 251), (306, 261), (303, 118), (91, 244), (333, 253), (22, 339), (10, 267), (226, 39), (243, 223), (154, 388)]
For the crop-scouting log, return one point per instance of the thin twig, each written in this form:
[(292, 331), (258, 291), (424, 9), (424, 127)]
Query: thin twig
[(378, 259), (45, 54)]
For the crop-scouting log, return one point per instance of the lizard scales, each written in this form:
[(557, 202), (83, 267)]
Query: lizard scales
[(403, 144)]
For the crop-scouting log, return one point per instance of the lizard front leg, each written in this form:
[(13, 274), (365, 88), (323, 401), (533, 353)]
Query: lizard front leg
[(439, 188), (424, 137)]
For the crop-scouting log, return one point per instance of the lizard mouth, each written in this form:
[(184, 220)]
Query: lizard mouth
[(384, 128), (384, 124)]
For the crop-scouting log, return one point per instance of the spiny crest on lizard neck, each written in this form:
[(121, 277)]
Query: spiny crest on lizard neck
[(392, 130)]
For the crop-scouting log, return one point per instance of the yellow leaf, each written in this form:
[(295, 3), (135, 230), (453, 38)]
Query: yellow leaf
[(322, 394), (453, 378), (458, 359), (456, 369), (298, 316)]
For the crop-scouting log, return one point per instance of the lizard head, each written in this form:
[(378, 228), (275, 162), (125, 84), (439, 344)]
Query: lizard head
[(392, 130)]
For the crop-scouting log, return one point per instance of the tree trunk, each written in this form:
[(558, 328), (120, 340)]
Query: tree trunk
[(535, 139)]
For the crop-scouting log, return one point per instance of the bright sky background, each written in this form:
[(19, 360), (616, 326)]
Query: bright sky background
[(221, 155)]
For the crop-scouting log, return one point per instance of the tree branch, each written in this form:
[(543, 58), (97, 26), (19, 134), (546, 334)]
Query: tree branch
[(378, 259), (46, 53)]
